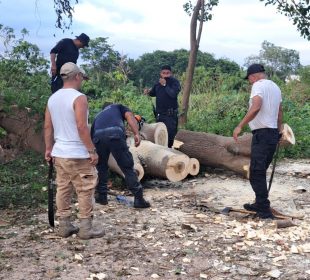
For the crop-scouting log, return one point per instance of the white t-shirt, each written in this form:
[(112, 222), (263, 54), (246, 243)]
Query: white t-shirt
[(68, 143), (270, 93)]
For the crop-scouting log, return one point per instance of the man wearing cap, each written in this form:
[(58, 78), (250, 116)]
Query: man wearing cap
[(66, 50), (166, 91), (109, 136), (265, 119), (69, 145)]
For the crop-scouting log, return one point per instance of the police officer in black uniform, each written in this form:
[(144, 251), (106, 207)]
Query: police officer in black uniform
[(66, 50), (109, 136), (166, 91)]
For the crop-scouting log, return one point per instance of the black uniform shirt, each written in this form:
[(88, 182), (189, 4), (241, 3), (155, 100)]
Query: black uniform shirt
[(112, 115), (66, 51), (166, 96)]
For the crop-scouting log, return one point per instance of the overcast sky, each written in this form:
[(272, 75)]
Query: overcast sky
[(135, 27)]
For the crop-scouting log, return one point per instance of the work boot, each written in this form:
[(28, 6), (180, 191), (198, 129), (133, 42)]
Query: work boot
[(252, 207), (87, 230), (102, 199), (267, 214), (139, 201), (66, 228)]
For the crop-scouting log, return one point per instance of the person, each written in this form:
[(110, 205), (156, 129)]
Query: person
[(66, 50), (166, 91), (109, 136), (265, 119), (68, 144)]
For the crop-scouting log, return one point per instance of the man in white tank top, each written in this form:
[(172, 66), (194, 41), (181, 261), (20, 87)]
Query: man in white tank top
[(69, 145), (265, 119)]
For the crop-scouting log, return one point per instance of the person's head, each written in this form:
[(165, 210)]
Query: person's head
[(72, 75), (165, 71), (106, 104), (255, 72), (82, 41)]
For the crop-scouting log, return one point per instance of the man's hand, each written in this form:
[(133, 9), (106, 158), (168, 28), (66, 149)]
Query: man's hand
[(137, 140), (93, 158), (236, 132), (48, 155), (146, 91), (162, 81)]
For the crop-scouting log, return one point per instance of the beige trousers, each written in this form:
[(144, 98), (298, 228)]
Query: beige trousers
[(76, 174)]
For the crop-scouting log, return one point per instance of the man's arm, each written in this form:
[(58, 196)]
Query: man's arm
[(132, 122), (48, 135), (280, 117), (173, 89), (80, 110), (251, 114), (53, 63)]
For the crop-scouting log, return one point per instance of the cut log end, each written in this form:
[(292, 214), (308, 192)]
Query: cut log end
[(177, 168), (288, 137), (194, 166)]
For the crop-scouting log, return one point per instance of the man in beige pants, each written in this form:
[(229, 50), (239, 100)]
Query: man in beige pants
[(68, 143)]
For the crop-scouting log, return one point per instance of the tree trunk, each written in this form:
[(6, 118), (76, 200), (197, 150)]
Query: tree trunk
[(137, 167), (155, 132), (212, 150), (161, 161), (26, 128), (220, 151), (194, 46)]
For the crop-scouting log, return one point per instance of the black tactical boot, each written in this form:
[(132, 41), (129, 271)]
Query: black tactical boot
[(102, 199), (139, 201)]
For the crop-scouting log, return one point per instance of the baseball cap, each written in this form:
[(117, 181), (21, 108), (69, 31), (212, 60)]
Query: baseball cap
[(69, 69), (253, 69), (83, 38)]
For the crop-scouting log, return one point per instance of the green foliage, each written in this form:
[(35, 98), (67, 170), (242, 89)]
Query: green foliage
[(207, 9), (278, 61), (22, 180), (145, 70), (297, 11)]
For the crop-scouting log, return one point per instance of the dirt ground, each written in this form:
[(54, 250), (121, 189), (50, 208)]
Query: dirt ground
[(181, 237)]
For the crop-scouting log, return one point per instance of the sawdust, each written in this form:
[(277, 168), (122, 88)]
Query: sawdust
[(175, 239)]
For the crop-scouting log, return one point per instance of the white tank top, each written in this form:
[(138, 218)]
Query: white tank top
[(270, 93), (68, 143)]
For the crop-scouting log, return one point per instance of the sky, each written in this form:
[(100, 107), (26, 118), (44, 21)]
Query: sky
[(134, 27)]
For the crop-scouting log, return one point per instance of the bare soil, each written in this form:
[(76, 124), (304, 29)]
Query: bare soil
[(183, 235)]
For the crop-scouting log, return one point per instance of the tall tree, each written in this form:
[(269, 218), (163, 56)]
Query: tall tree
[(200, 13), (277, 60)]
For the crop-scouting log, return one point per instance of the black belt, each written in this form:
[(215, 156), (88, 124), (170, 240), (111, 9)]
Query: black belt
[(263, 129)]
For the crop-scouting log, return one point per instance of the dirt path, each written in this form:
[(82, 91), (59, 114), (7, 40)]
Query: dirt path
[(175, 239)]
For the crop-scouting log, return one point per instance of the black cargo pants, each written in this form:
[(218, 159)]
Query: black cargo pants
[(264, 143), (113, 140), (170, 119)]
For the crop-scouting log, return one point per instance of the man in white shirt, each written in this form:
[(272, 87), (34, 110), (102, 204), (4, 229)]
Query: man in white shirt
[(69, 145), (265, 119)]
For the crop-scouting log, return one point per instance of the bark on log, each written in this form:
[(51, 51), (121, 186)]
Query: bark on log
[(155, 132), (18, 122), (161, 161), (220, 151)]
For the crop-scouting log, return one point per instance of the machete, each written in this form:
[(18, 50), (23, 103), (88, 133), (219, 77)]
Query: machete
[(51, 194)]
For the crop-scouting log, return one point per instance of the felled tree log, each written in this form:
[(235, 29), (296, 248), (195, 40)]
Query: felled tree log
[(137, 167), (220, 151), (194, 166), (161, 161), (18, 122), (155, 132)]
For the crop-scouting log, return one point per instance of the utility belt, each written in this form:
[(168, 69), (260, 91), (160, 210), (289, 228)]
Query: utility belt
[(170, 113)]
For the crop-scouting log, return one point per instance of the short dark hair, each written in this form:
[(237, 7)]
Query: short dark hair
[(166, 67)]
